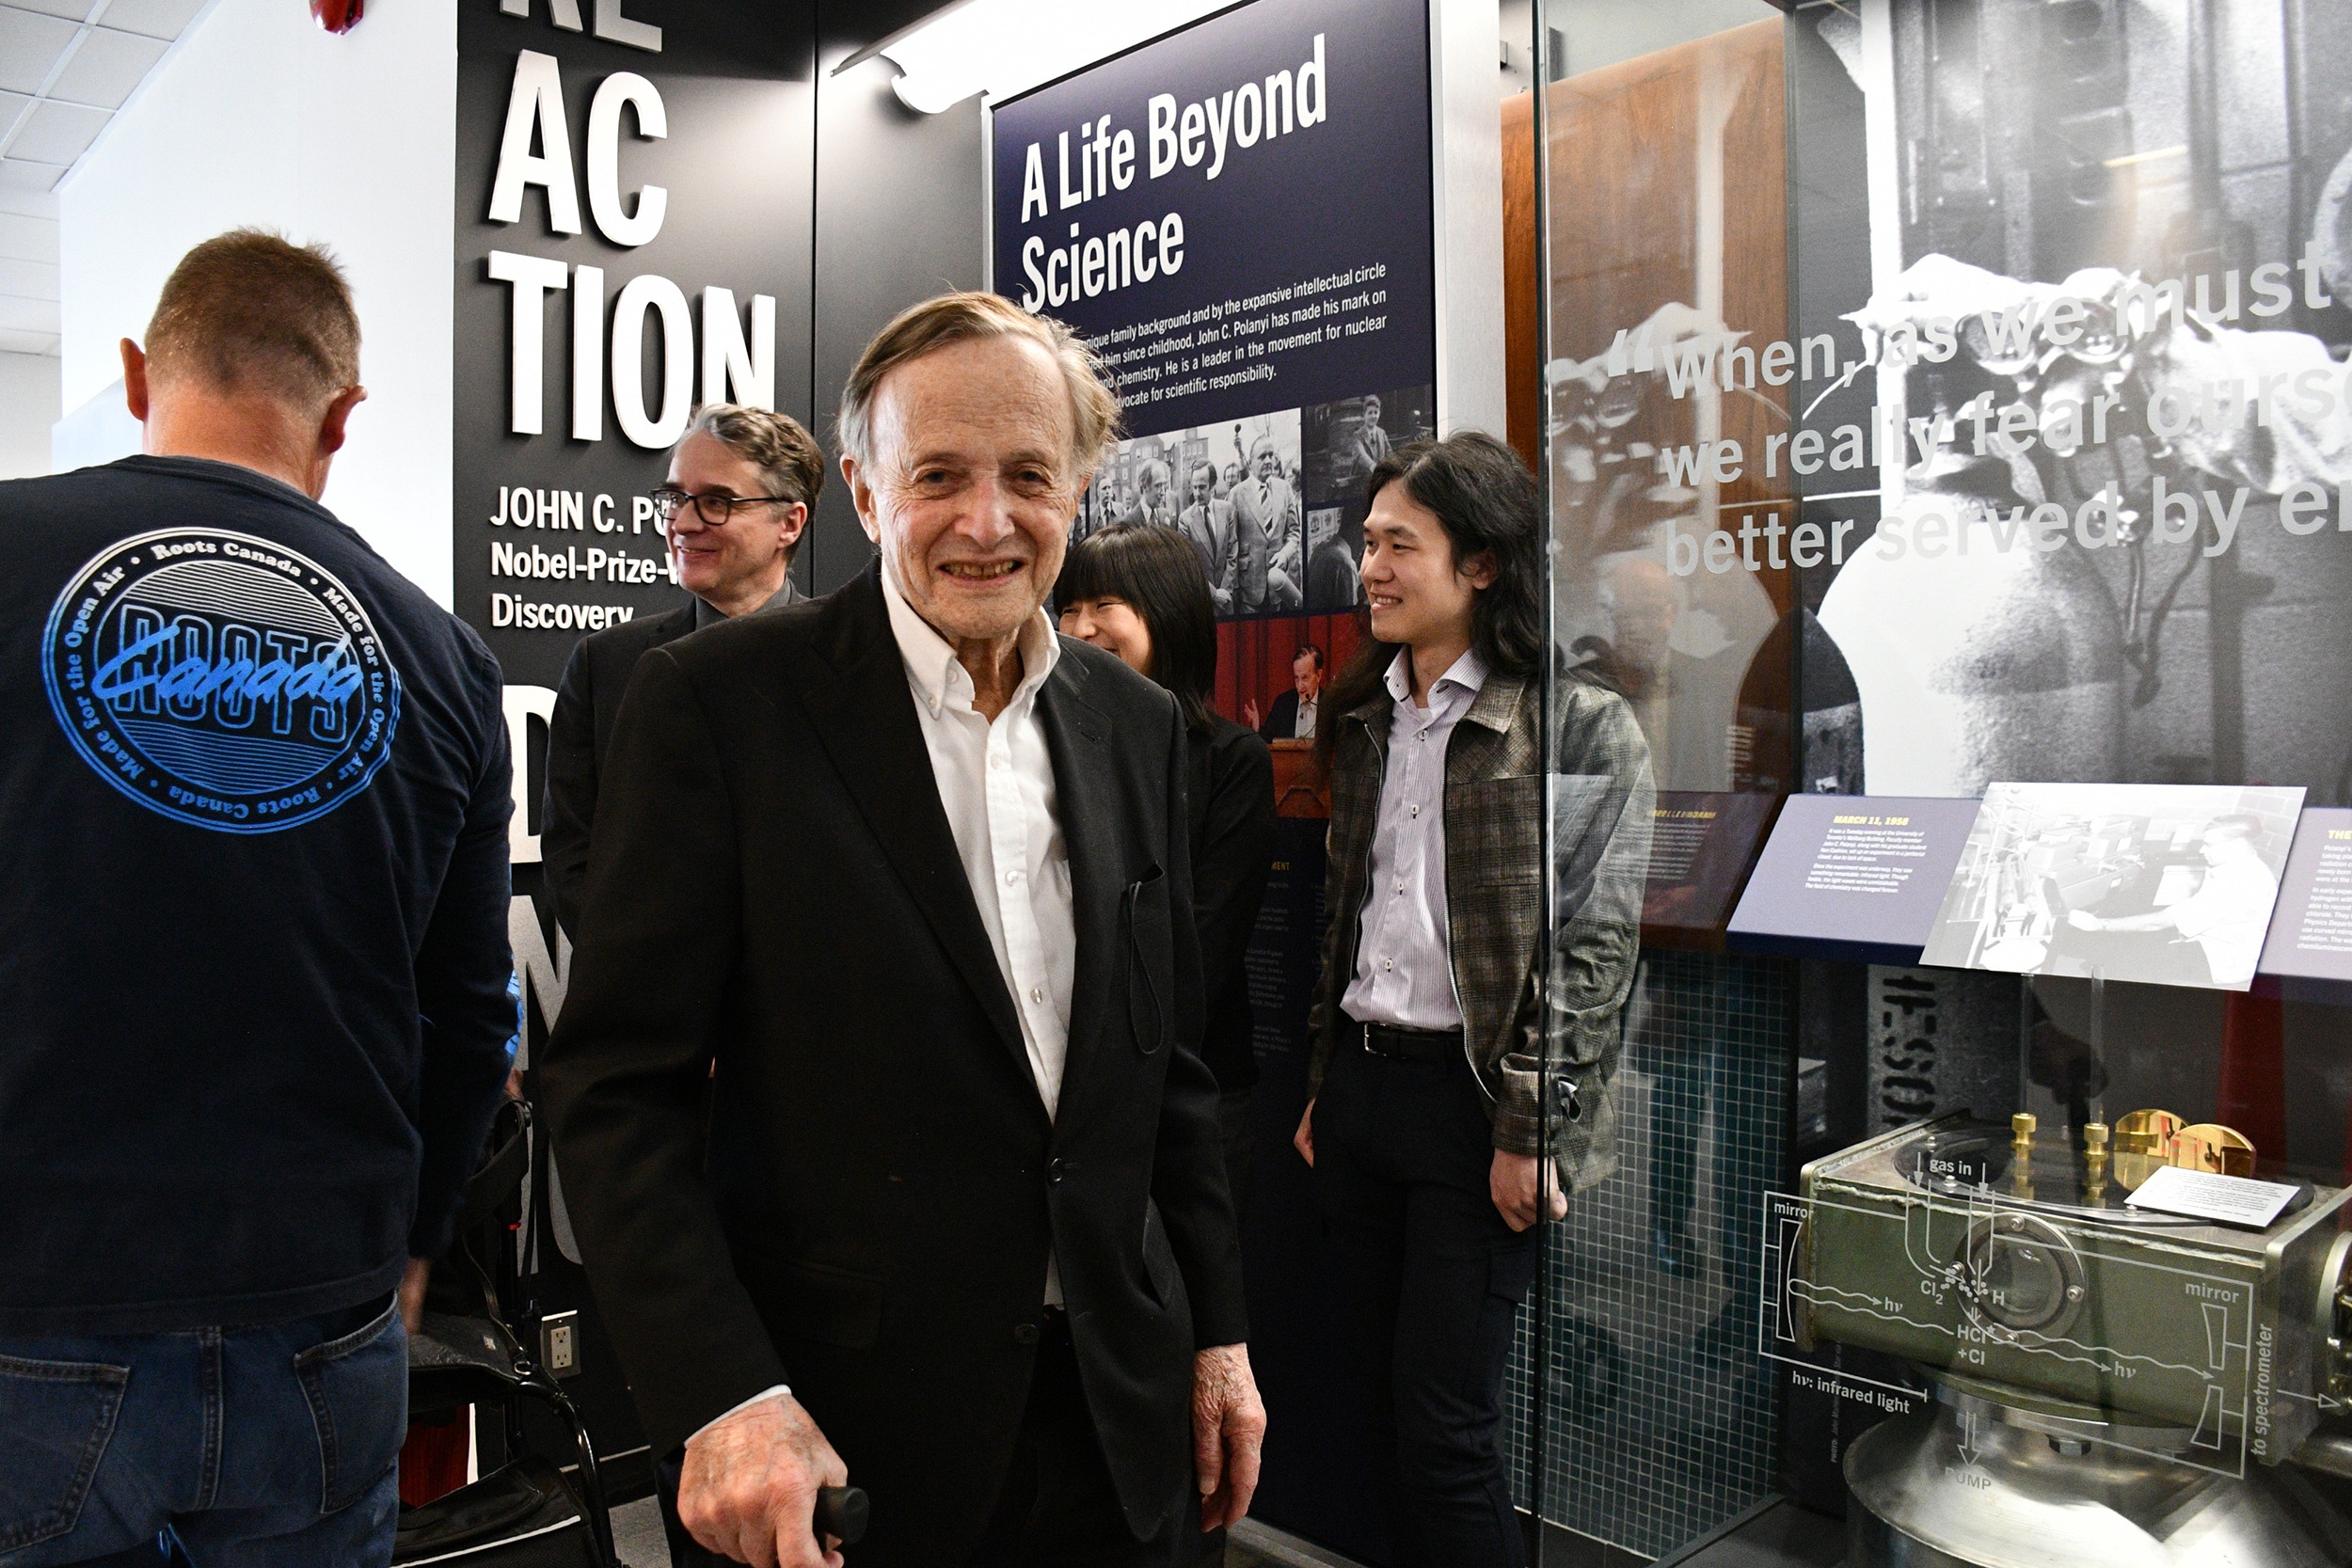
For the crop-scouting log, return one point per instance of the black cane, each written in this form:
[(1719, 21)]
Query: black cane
[(842, 1513)]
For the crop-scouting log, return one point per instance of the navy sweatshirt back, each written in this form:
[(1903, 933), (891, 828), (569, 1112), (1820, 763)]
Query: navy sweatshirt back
[(254, 1005)]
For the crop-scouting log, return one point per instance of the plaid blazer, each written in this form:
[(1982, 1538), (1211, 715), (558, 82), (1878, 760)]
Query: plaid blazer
[(1600, 799)]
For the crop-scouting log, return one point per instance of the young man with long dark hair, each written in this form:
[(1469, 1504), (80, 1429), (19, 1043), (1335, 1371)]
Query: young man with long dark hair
[(1463, 1082), (1139, 593)]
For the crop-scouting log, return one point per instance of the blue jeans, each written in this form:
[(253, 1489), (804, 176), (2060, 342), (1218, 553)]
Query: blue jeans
[(275, 1447)]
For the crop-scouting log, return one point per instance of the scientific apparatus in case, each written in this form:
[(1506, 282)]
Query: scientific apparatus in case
[(2111, 1384)]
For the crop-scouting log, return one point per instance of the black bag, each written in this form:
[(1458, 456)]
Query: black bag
[(520, 1516)]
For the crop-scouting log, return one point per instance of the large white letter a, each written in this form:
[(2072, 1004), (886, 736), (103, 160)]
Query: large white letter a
[(536, 104), (1033, 184)]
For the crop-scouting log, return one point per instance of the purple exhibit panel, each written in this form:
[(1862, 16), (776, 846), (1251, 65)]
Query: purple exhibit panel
[(2310, 948), (1853, 877), (1701, 844)]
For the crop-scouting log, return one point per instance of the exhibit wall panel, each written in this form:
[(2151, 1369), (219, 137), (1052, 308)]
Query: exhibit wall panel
[(258, 117), (652, 255)]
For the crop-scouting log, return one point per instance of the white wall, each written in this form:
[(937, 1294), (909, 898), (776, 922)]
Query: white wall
[(1466, 94), (259, 116), (28, 406)]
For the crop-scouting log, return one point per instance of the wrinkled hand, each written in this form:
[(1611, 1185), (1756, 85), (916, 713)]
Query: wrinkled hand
[(1304, 1139), (412, 1280), (1249, 710), (1228, 1430), (748, 1490), (1517, 1183)]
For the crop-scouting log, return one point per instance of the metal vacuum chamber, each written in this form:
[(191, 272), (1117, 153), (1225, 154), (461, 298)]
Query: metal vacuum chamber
[(2113, 1385)]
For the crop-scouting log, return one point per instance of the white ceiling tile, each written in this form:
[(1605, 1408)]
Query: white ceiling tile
[(104, 69), (59, 133), (13, 341), (11, 104), (28, 280), (29, 46), (18, 175), (29, 315), (160, 19), (31, 204), (24, 239), (72, 10)]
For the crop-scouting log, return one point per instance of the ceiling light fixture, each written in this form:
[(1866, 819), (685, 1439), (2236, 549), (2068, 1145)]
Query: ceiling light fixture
[(1003, 47)]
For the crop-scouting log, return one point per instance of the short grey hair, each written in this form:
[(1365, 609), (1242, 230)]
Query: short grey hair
[(787, 458), (963, 317), (778, 445)]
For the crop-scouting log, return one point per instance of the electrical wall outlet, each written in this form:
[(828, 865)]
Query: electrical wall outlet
[(559, 1343)]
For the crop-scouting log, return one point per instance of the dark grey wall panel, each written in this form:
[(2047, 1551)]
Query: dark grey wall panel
[(734, 79), (900, 200)]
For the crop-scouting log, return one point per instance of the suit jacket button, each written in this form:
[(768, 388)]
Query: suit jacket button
[(1055, 1171), (1024, 1334)]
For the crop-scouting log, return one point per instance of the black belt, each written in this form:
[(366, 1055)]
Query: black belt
[(1410, 1045)]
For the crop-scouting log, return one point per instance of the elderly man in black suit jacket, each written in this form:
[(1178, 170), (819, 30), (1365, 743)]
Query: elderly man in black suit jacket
[(908, 874), (741, 487)]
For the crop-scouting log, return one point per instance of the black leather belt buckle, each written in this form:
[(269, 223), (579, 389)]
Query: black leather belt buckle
[(1411, 1045)]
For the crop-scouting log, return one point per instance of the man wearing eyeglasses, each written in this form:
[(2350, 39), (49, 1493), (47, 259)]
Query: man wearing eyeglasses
[(737, 498)]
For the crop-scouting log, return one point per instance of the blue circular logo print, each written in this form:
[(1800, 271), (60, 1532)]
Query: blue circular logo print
[(220, 679)]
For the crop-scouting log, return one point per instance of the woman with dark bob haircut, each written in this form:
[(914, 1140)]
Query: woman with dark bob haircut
[(1463, 1089), (1139, 593)]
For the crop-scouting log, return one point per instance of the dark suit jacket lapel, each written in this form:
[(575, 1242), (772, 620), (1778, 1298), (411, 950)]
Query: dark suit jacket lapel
[(1078, 736), (858, 699)]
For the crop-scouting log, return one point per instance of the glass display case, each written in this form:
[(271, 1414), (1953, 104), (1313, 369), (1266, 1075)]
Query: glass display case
[(1937, 396)]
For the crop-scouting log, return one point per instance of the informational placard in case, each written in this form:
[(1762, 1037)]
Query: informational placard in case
[(2203, 1195), (2166, 884), (1853, 877), (2311, 931), (1700, 846), (1238, 218)]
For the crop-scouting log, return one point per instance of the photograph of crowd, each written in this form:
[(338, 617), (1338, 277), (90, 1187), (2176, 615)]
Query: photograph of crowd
[(2171, 885), (1232, 489), (1274, 504)]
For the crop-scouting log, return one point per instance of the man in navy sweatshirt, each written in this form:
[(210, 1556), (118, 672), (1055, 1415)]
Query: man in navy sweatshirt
[(253, 877)]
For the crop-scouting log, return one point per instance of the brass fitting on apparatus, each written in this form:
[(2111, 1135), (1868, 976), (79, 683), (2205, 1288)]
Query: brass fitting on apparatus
[(2021, 1130)]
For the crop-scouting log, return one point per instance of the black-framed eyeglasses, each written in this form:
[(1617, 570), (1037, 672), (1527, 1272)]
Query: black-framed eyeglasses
[(714, 510)]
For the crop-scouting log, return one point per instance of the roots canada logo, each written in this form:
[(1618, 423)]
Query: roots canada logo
[(220, 679)]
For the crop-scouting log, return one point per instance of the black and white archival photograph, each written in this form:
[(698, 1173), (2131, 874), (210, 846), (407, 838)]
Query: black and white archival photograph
[(2169, 885), (1234, 489), (2068, 397), (1345, 441)]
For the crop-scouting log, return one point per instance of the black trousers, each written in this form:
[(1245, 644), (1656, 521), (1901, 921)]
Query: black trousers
[(1434, 1279), (1059, 1508)]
